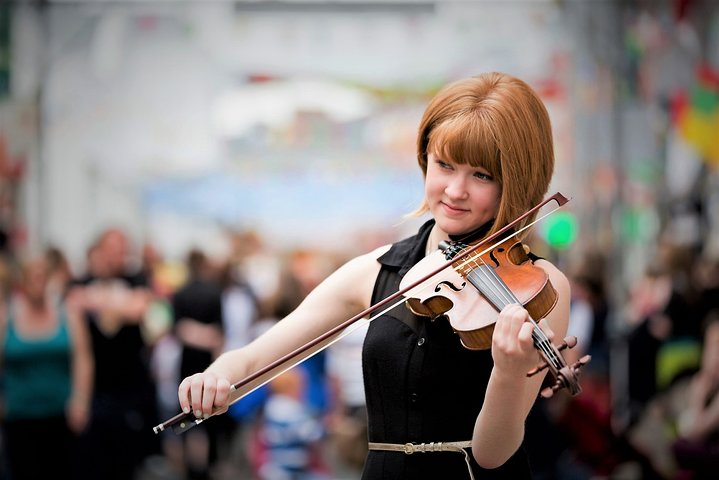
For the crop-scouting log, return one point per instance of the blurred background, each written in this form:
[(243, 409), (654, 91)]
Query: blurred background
[(253, 146)]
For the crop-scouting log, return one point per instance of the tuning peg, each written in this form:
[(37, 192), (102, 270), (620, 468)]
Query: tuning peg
[(569, 342), (536, 370), (581, 362), (547, 392)]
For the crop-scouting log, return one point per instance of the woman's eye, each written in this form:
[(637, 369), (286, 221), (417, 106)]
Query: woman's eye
[(443, 164), (483, 176)]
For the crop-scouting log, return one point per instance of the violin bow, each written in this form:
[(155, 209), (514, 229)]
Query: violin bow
[(184, 421)]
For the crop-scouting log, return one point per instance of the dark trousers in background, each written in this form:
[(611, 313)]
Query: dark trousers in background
[(38, 449)]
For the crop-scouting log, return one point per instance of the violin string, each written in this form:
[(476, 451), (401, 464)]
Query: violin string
[(459, 267), (537, 333), (502, 296), (494, 286)]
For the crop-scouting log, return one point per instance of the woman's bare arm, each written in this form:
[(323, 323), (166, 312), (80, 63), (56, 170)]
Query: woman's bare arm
[(343, 294)]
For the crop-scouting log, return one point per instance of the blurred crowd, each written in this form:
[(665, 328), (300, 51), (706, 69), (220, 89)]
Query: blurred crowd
[(90, 361)]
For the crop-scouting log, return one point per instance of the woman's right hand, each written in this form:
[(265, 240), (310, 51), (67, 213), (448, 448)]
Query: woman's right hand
[(204, 394)]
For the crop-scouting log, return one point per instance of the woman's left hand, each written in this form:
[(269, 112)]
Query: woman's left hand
[(513, 348)]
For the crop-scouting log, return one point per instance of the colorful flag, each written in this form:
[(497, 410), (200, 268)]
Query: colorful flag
[(696, 115)]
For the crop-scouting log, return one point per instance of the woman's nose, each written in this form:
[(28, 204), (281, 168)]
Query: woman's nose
[(456, 187)]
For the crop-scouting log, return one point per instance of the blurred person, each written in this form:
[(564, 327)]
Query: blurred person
[(259, 267), (48, 366), (240, 319), (649, 327), (7, 267), (156, 329), (301, 271), (157, 273), (150, 261), (679, 429), (305, 270), (581, 426), (240, 307), (581, 318), (165, 368), (697, 447), (486, 152), (590, 308), (706, 279), (665, 324), (198, 325), (115, 301), (289, 431), (59, 272), (348, 415)]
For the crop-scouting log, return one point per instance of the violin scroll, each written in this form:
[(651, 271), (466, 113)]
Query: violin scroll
[(567, 375)]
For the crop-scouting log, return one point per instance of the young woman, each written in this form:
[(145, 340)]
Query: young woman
[(485, 149)]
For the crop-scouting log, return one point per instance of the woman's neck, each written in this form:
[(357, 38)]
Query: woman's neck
[(473, 235), (435, 236), (35, 304)]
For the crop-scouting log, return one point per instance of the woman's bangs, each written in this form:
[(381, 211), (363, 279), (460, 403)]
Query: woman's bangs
[(466, 141)]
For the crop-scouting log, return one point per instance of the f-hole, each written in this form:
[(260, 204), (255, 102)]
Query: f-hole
[(494, 259), (449, 285)]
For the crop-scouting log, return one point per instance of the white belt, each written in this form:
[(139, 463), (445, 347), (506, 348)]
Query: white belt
[(410, 448)]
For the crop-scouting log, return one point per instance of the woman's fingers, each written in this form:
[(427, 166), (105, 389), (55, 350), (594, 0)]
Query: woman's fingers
[(222, 396), (525, 335), (513, 325), (183, 395), (204, 394), (208, 390), (513, 341)]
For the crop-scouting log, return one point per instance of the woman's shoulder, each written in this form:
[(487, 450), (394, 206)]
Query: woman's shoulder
[(548, 266), (357, 270), (375, 254), (366, 263), (556, 276)]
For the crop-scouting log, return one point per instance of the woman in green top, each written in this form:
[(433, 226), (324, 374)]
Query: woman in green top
[(47, 369)]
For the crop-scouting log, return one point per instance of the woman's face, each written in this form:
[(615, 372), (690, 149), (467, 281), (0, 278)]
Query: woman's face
[(35, 280), (460, 197)]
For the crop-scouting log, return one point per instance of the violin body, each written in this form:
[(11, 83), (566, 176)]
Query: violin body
[(471, 314), (477, 287)]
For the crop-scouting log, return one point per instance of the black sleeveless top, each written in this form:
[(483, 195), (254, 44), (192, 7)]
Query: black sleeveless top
[(421, 385)]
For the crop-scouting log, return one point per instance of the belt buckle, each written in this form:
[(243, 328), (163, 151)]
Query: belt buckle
[(409, 448)]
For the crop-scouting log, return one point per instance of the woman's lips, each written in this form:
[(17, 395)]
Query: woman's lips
[(453, 210)]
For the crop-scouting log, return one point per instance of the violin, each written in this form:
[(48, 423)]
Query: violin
[(478, 286), (501, 274)]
